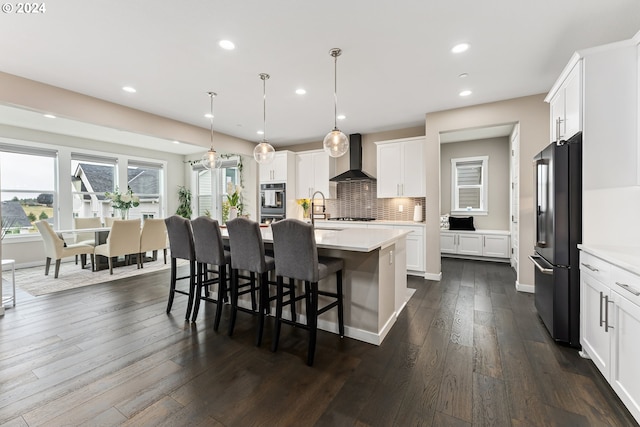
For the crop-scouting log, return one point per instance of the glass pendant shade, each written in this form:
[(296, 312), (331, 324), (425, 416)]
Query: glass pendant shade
[(264, 153), (336, 143), (211, 160)]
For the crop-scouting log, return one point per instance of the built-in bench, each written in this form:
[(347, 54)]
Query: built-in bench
[(492, 245)]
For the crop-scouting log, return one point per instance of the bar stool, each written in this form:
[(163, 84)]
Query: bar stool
[(209, 251), (247, 253), (182, 247), (296, 257)]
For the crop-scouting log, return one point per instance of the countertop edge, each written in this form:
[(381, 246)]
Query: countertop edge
[(627, 257)]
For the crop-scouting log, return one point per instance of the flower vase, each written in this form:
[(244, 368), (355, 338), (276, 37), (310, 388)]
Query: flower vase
[(124, 213), (306, 213), (233, 212)]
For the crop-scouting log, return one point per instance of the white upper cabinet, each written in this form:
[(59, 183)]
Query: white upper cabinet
[(599, 93), (313, 170), (566, 111), (278, 170), (401, 168)]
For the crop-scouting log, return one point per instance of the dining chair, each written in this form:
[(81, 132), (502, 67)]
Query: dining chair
[(56, 248), (181, 246), (247, 253), (296, 257), (88, 237), (153, 237), (209, 250), (123, 240), (108, 221)]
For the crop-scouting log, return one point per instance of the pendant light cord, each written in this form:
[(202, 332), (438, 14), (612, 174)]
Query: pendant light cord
[(264, 78), (212, 95), (335, 90)]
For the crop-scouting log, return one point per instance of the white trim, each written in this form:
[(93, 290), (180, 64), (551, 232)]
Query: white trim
[(431, 276), (525, 288)]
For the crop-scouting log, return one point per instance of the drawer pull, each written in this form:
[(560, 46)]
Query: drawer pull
[(628, 288), (589, 267)]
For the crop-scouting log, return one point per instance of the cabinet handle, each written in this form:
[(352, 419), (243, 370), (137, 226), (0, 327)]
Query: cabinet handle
[(601, 298), (402, 189), (606, 313), (589, 267), (628, 288)]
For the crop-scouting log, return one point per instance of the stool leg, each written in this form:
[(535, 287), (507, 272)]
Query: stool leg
[(312, 322), (192, 288), (340, 305), (198, 293), (252, 275), (172, 285), (292, 298), (234, 300), (279, 303), (222, 295), (262, 310)]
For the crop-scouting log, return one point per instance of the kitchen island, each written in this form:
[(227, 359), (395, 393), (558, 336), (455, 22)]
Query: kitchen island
[(375, 279)]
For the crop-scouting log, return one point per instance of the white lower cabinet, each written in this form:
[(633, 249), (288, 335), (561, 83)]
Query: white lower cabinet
[(489, 244), (610, 325)]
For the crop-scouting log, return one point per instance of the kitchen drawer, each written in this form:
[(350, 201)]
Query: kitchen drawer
[(595, 267), (626, 284)]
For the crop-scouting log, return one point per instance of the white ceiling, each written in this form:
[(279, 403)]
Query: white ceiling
[(395, 67)]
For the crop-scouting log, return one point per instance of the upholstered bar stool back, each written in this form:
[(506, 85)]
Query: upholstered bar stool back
[(296, 257), (247, 253), (209, 251), (182, 246)]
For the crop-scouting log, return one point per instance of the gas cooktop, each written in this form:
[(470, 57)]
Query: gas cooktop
[(350, 218)]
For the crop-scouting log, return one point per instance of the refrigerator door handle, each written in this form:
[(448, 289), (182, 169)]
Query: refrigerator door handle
[(542, 269)]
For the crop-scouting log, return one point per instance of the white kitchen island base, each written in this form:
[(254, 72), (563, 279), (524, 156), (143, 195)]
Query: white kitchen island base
[(374, 280)]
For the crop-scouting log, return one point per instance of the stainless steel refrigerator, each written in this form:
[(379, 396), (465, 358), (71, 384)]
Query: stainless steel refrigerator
[(558, 174)]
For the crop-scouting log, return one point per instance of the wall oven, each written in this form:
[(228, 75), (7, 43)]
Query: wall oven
[(273, 202)]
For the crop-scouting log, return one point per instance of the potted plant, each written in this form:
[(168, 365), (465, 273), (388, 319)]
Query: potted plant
[(184, 199), (234, 200), (123, 201)]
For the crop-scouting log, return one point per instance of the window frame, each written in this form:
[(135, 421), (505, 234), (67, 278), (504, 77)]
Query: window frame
[(456, 209)]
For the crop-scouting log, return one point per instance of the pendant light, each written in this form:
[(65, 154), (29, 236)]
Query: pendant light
[(264, 152), (335, 143), (211, 159)]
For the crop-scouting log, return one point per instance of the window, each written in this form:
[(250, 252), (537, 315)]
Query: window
[(469, 185), (145, 180), (91, 177), (29, 190), (211, 188)]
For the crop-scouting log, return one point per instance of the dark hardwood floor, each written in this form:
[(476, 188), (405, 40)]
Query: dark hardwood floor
[(468, 350)]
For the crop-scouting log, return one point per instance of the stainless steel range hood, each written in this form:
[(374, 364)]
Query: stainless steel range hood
[(355, 172)]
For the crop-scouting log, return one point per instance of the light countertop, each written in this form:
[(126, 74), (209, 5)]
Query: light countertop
[(626, 257), (347, 239)]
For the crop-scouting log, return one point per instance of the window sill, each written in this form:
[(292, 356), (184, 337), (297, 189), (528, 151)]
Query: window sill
[(469, 213)]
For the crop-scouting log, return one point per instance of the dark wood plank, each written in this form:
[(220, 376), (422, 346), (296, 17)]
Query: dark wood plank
[(469, 350)]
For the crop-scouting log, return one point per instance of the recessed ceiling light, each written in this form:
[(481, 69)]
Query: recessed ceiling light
[(129, 89), (49, 116), (227, 45), (459, 48), (209, 116), (341, 117), (465, 93), (176, 142), (260, 132), (301, 91), (463, 75)]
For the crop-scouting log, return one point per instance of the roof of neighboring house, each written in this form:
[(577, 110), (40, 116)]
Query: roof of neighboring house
[(12, 210), (101, 179)]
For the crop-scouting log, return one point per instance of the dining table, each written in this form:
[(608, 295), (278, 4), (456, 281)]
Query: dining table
[(100, 237), (374, 277)]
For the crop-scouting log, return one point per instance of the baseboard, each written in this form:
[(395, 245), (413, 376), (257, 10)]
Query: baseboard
[(525, 288), (431, 276)]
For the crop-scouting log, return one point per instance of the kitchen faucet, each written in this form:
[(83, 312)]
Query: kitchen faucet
[(324, 208)]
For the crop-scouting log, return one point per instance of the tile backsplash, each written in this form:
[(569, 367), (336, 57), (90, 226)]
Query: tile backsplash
[(358, 199)]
